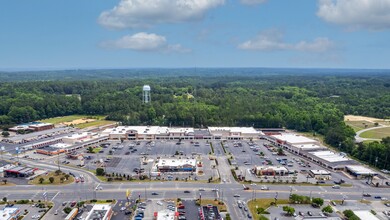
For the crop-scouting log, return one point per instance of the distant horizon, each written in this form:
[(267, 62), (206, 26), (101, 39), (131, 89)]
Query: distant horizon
[(167, 68)]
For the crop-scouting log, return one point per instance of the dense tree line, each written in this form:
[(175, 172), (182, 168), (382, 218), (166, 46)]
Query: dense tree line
[(303, 101)]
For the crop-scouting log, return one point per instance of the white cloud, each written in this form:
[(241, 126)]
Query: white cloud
[(252, 2), (272, 40), (144, 42), (145, 13), (370, 14)]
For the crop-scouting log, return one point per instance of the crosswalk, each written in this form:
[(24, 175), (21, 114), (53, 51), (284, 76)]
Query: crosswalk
[(41, 195)]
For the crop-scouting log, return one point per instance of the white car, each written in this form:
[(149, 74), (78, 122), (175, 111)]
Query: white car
[(384, 199), (123, 208), (159, 203), (264, 188), (253, 184)]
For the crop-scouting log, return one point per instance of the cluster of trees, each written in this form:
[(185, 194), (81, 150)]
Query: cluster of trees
[(302, 100)]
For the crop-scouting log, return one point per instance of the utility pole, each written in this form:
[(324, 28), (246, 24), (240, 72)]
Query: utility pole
[(58, 160), (2, 151)]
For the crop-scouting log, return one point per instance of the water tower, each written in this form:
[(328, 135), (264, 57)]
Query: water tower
[(146, 94)]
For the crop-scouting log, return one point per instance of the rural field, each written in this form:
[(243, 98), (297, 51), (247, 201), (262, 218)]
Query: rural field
[(377, 133), (79, 121), (360, 125)]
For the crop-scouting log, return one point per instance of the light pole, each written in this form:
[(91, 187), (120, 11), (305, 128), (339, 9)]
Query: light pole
[(310, 195), (58, 160), (276, 197), (200, 199), (17, 153)]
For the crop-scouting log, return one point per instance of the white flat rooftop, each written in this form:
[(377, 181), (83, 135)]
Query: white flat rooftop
[(137, 129), (330, 156), (308, 146), (294, 139), (176, 162), (360, 169), (366, 215), (75, 136), (320, 172), (60, 145), (244, 130), (275, 168)]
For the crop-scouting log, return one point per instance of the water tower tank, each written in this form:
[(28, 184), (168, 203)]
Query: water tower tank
[(146, 94)]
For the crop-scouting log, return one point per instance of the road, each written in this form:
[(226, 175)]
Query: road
[(172, 190), (360, 139)]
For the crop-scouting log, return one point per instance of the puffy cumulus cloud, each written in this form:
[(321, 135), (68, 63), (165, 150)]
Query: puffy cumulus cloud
[(272, 40), (369, 14), (252, 2), (145, 13), (144, 42)]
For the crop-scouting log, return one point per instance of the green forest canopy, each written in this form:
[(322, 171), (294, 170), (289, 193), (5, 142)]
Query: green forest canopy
[(303, 100)]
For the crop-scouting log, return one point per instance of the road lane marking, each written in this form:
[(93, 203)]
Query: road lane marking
[(54, 196)]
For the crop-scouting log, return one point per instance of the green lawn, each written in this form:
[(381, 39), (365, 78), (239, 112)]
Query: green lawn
[(377, 133), (359, 125), (70, 118), (94, 124)]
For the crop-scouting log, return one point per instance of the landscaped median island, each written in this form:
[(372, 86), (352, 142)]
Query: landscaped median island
[(260, 208), (52, 178)]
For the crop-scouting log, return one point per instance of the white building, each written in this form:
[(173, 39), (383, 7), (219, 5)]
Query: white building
[(100, 212), (293, 142), (320, 174), (175, 165), (165, 215), (234, 133), (330, 160), (9, 213), (148, 133), (271, 171), (360, 172)]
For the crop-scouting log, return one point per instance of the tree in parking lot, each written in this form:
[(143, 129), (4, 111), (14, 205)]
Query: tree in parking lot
[(5, 181), (327, 209), (67, 176), (62, 179), (5, 133), (5, 199), (99, 172), (289, 210), (51, 179), (318, 201), (67, 210), (90, 149), (41, 180), (58, 172)]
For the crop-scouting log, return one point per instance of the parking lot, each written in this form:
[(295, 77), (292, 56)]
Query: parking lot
[(124, 158), (33, 212), (247, 155)]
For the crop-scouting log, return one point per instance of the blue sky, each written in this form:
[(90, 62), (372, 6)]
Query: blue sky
[(68, 34)]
